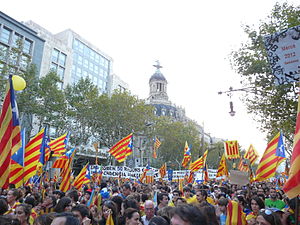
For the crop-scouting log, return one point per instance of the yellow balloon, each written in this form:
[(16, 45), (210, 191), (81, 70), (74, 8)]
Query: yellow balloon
[(18, 82)]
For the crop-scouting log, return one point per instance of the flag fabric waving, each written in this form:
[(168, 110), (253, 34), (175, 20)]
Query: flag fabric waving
[(231, 149), (78, 182), (121, 149), (235, 215), (199, 163), (32, 155), (10, 137), (251, 154), (17, 164), (292, 185), (156, 145), (163, 170), (270, 160), (190, 177), (65, 174), (187, 155), (58, 146), (222, 169), (243, 166)]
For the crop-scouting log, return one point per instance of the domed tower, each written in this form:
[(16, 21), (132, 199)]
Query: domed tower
[(158, 87)]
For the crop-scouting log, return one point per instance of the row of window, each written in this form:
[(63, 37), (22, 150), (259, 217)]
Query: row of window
[(13, 39), (13, 57), (85, 52)]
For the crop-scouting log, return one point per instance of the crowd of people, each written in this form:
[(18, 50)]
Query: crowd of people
[(159, 203)]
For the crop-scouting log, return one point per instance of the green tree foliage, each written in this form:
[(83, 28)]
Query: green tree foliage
[(274, 107), (173, 135)]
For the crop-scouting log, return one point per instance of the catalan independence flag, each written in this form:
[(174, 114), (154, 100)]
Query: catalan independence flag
[(270, 159), (292, 186), (251, 154), (156, 145), (235, 214), (231, 149), (120, 149), (186, 156), (65, 174), (58, 146), (32, 155), (243, 166), (199, 163), (17, 164), (163, 170), (78, 182), (222, 169), (10, 137)]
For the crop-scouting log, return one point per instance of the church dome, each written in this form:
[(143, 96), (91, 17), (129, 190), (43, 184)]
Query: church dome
[(157, 76)]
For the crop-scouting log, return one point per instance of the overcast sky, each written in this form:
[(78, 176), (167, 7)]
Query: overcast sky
[(192, 39)]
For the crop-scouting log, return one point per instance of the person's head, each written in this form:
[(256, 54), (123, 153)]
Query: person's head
[(12, 195), (273, 194), (50, 200), (163, 199), (64, 205), (188, 215), (260, 191), (58, 194), (158, 220), (126, 189), (180, 201), (267, 217), (129, 203), (209, 214), (256, 204), (149, 209), (80, 212), (176, 194), (109, 207), (201, 195), (23, 212), (187, 192), (166, 212), (118, 200), (222, 203), (44, 219), (3, 206), (132, 216), (73, 195), (65, 219), (241, 200)]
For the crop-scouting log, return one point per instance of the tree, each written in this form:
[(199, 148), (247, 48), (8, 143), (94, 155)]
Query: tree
[(173, 135), (274, 107)]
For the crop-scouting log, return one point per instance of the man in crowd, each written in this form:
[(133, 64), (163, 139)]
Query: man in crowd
[(273, 202), (149, 212)]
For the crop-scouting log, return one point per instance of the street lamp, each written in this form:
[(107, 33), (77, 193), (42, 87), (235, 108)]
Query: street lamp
[(232, 112)]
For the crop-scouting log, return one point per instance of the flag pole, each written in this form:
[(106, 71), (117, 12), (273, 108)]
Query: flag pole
[(297, 210)]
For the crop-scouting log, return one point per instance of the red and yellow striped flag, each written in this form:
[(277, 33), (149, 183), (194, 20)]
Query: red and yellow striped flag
[(10, 137), (222, 169), (78, 182), (65, 174), (190, 178), (60, 162), (231, 149), (110, 220), (32, 155), (186, 156), (156, 145), (163, 170), (121, 149), (243, 166), (292, 186), (269, 161), (251, 154), (235, 214), (199, 163), (58, 146)]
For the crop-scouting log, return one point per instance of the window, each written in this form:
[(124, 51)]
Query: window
[(75, 44), (53, 67), (79, 60), (55, 54), (86, 63), (97, 58), (17, 38), (62, 59), (96, 69), (85, 74), (91, 66), (27, 46), (13, 58), (3, 52), (61, 72), (5, 35), (78, 72)]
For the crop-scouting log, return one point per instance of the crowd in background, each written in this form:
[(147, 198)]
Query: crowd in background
[(159, 203)]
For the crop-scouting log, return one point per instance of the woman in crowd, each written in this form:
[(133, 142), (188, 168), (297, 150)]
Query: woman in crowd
[(267, 217), (23, 213), (107, 208), (132, 216), (64, 205)]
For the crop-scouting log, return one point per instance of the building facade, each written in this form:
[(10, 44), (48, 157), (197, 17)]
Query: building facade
[(14, 35)]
